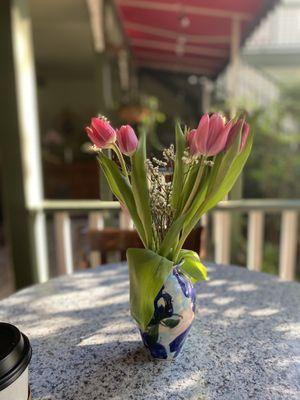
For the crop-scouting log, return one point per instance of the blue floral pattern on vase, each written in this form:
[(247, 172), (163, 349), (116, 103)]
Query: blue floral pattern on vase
[(174, 312)]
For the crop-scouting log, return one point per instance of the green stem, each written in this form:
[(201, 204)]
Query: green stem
[(196, 185), (185, 188), (121, 159)]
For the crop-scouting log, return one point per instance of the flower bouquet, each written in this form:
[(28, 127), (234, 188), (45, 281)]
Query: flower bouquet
[(166, 198)]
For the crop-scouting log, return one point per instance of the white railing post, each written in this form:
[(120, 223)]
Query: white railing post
[(125, 221), (255, 240), (288, 244), (96, 221), (222, 235), (63, 239), (204, 236)]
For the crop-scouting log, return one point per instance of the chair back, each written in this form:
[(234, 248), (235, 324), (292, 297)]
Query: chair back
[(113, 240), (119, 240)]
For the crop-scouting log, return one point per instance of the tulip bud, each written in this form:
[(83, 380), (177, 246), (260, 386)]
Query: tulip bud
[(202, 134), (101, 133), (217, 135), (127, 140), (234, 132), (210, 137)]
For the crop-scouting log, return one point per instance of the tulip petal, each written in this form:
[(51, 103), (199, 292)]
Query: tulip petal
[(234, 131), (202, 134), (191, 138), (104, 130), (245, 134), (127, 140), (216, 127), (221, 140), (94, 138)]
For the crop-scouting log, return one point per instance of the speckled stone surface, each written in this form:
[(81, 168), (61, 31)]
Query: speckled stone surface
[(245, 343)]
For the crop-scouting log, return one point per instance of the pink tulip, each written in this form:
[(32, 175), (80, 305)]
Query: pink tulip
[(101, 133), (127, 140), (235, 130), (192, 142), (210, 137)]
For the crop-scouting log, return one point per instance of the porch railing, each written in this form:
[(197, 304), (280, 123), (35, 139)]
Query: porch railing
[(256, 211)]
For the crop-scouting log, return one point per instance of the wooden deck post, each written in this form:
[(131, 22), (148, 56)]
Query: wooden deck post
[(63, 237), (288, 244), (96, 221), (255, 240), (20, 148), (222, 235)]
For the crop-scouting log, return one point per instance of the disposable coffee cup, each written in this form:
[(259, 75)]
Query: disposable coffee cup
[(15, 355)]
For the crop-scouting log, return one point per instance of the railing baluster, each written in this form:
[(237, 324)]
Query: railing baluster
[(221, 228), (125, 221), (96, 221), (288, 244), (222, 235), (204, 236), (63, 239), (255, 240)]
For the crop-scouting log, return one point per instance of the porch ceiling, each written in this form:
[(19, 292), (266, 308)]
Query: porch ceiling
[(62, 37), (188, 35)]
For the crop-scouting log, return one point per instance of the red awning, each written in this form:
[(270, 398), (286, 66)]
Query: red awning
[(193, 36)]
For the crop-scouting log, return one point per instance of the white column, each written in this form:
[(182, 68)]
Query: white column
[(255, 240), (63, 241), (96, 221), (125, 221), (222, 236), (29, 127), (288, 244)]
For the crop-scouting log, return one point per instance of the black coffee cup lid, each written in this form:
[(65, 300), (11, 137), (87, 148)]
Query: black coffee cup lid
[(15, 354)]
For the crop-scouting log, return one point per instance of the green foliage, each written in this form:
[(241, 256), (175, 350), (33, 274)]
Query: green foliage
[(228, 170), (274, 166), (170, 322), (121, 188), (192, 266), (148, 272), (271, 257), (178, 176), (140, 189)]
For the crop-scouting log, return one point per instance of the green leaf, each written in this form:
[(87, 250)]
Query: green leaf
[(148, 272), (198, 200), (110, 173), (140, 188), (220, 187), (188, 187), (152, 332), (121, 188), (223, 163), (192, 266), (178, 176), (170, 322), (171, 238)]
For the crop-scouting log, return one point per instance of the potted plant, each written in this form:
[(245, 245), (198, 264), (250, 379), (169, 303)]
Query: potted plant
[(202, 168)]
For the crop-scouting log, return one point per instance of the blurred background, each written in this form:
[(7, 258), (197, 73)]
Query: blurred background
[(145, 63)]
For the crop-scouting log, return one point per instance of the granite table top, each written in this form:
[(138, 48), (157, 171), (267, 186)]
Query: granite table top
[(245, 342)]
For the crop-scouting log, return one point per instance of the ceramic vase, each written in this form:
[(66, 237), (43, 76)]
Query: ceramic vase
[(173, 317)]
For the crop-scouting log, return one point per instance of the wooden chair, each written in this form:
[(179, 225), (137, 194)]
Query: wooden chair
[(113, 240), (119, 240)]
